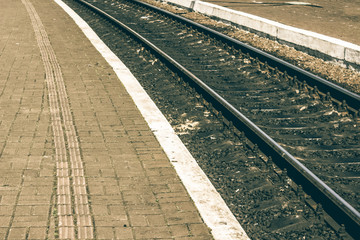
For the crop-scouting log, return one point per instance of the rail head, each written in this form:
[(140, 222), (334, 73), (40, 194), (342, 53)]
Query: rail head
[(337, 92)]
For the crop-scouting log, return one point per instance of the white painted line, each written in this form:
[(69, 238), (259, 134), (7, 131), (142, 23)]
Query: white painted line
[(299, 3), (211, 206)]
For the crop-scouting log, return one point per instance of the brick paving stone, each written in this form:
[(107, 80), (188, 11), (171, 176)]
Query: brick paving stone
[(23, 210), (100, 210), (173, 197), (138, 220), (117, 209), (156, 220), (180, 230), (8, 198), (198, 230), (183, 218), (176, 187), (141, 210), (40, 210), (184, 206), (3, 232), (123, 233), (152, 232), (5, 210), (34, 200), (105, 233), (25, 221), (163, 188), (111, 221), (5, 220), (37, 233), (17, 233)]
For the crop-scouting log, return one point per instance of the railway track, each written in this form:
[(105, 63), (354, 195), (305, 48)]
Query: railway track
[(277, 122)]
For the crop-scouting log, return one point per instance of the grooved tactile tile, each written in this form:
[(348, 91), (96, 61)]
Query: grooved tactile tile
[(71, 187)]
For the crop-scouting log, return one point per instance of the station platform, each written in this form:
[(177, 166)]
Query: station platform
[(326, 29), (338, 19), (78, 159)]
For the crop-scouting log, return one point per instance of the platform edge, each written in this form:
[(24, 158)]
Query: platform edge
[(220, 220), (333, 47)]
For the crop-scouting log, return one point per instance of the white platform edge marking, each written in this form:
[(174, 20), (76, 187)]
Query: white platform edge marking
[(211, 206), (331, 46)]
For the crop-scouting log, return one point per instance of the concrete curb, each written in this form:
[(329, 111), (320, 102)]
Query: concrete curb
[(332, 47)]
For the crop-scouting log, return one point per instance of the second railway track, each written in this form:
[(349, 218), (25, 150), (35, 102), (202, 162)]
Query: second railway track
[(320, 131)]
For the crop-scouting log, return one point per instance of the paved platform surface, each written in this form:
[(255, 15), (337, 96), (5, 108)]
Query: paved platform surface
[(339, 19), (77, 159)]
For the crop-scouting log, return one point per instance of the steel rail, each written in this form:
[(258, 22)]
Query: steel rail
[(331, 202), (337, 92)]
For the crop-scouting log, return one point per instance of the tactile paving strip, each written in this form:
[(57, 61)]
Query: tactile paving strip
[(72, 199)]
